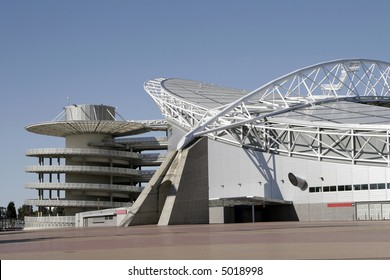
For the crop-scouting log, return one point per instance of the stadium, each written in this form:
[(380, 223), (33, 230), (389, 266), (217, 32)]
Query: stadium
[(312, 145)]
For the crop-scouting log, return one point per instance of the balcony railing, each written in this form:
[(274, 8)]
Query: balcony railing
[(101, 170), (76, 203), (64, 152), (84, 186)]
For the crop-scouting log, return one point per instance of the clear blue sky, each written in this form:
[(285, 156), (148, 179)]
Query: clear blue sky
[(96, 51)]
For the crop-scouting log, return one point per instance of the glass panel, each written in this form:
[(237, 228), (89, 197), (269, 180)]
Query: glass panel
[(373, 186)]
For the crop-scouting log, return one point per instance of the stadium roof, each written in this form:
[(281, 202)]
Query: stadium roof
[(332, 98), (342, 112), (203, 94)]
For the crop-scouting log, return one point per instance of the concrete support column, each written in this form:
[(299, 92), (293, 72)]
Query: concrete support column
[(51, 174), (58, 174)]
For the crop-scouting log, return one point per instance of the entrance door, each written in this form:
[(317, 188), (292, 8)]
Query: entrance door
[(362, 212), (375, 211), (386, 211)]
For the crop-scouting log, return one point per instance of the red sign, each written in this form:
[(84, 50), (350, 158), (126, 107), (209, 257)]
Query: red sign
[(342, 204)]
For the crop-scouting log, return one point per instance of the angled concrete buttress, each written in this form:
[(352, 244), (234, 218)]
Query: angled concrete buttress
[(177, 193)]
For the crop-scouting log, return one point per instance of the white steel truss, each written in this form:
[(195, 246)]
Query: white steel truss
[(248, 122), (183, 113)]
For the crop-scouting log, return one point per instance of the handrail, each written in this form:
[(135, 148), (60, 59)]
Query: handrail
[(83, 186), (76, 203), (83, 169), (142, 140), (82, 152)]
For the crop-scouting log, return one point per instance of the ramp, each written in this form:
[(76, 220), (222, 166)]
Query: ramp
[(144, 209), (178, 191)]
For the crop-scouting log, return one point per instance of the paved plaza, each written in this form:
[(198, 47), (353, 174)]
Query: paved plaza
[(273, 241)]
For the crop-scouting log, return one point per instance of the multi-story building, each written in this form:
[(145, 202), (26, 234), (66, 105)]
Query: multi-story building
[(100, 166)]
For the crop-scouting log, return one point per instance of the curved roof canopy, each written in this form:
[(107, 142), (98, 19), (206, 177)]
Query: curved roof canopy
[(335, 95), (96, 119), (66, 128)]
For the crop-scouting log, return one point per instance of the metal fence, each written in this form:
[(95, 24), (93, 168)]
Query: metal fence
[(11, 224), (49, 222)]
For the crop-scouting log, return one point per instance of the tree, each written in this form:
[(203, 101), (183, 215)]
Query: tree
[(58, 211), (11, 210), (25, 210)]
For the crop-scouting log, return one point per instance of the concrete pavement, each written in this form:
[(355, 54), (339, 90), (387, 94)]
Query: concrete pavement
[(273, 241)]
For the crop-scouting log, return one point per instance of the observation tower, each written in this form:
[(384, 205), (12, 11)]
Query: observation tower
[(99, 167)]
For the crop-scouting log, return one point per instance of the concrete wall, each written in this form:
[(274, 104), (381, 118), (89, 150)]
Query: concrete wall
[(178, 192), (146, 209), (192, 197), (99, 218), (174, 136)]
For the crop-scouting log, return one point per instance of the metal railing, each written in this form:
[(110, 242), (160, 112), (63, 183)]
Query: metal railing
[(10, 224), (49, 222), (83, 169), (83, 186), (63, 152), (153, 157), (76, 203)]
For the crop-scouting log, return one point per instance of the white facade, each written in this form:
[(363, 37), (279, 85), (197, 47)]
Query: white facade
[(239, 173), (99, 218)]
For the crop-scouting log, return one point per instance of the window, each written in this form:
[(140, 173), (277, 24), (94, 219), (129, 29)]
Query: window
[(344, 188), (357, 187), (315, 189)]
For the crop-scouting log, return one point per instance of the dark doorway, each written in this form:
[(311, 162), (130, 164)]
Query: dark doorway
[(262, 213)]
